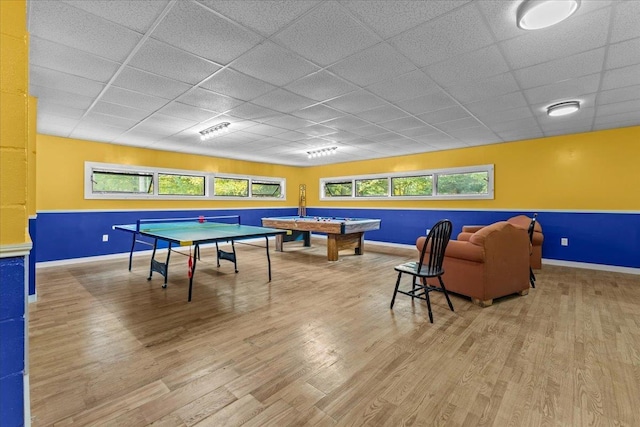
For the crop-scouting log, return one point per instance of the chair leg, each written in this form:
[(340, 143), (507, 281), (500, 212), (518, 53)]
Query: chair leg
[(426, 295), (446, 294), (393, 299), (532, 278)]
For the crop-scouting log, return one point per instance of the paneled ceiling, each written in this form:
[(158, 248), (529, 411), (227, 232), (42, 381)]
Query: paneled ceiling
[(373, 78)]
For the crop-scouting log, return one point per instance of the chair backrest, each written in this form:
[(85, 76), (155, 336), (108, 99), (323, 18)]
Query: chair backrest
[(437, 241), (532, 226)]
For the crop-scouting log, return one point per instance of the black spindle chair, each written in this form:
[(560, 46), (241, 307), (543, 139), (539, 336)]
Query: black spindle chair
[(532, 277), (433, 248)]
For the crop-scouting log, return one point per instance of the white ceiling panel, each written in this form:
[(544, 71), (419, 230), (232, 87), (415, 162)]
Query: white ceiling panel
[(264, 16), (67, 25), (326, 35), (168, 61), (273, 64), (135, 15), (321, 86), (375, 76), (72, 61), (372, 65), (130, 98), (196, 29), (151, 84), (460, 31)]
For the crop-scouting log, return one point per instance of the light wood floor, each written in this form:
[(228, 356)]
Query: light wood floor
[(319, 346)]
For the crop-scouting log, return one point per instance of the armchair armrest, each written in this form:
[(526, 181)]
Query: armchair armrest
[(464, 236), (458, 249), (472, 228)]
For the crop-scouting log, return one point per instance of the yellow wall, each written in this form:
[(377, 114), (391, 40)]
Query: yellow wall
[(60, 175), (591, 171), (32, 109), (13, 122)]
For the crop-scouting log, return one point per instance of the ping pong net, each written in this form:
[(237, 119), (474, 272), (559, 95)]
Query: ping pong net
[(159, 224)]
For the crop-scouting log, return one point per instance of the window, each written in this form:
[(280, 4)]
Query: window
[(372, 187), (231, 187), (104, 181), (181, 185), (474, 182), (265, 189), (112, 181), (338, 189)]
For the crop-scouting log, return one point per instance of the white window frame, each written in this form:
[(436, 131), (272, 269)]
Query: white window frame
[(489, 169), (90, 167)]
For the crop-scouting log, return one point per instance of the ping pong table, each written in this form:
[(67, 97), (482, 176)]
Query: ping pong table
[(194, 232)]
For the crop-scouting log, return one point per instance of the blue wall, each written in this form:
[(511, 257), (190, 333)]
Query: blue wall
[(598, 238), (32, 256), (12, 340)]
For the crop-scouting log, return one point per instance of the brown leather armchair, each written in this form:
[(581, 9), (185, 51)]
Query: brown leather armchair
[(492, 263), (520, 221)]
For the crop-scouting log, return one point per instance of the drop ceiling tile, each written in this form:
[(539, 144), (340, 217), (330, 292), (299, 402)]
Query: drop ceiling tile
[(119, 111), (623, 54), (423, 104), (185, 111), (97, 132), (265, 130), (515, 125), (625, 23), (50, 124), (326, 34), (521, 134), (382, 114), (208, 100), (444, 115), (356, 102), (632, 106), (372, 65), (572, 37), (138, 138), (68, 60), (403, 123), (493, 117), (168, 123), (67, 25), (500, 103), (151, 84), (283, 100), (252, 112), (474, 65), (135, 15), (317, 130), (561, 69), (409, 85), (99, 119), (565, 89), (288, 122), (207, 34), (265, 17), (237, 85), (629, 119), (165, 60), (391, 18), (419, 132), (130, 98), (347, 123), (368, 131), (59, 97), (273, 64), (48, 105), (460, 31), (453, 125), (475, 135), (344, 136), (384, 137), (584, 117), (45, 77), (321, 86), (618, 95), (482, 89), (614, 124), (318, 113), (621, 77)]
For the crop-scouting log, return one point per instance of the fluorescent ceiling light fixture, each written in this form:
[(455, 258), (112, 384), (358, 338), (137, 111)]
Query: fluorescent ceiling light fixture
[(212, 131), (322, 152), (563, 108), (537, 14)]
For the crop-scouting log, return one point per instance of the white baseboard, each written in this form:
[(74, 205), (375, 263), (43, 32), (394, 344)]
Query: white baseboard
[(32, 298), (589, 266)]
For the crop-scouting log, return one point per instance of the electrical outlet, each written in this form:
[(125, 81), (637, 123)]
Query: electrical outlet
[(564, 241), (105, 237)]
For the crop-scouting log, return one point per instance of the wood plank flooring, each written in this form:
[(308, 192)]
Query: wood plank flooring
[(319, 346)]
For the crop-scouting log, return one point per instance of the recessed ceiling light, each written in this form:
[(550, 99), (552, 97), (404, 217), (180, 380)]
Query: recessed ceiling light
[(563, 108), (537, 14)]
